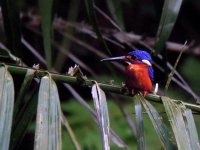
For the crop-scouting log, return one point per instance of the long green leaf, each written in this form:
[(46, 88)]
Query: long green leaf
[(102, 114), (190, 126), (73, 12), (157, 121), (6, 107), (25, 116), (115, 8), (23, 90), (48, 121), (175, 115), (12, 25), (139, 122), (47, 32), (24, 111), (93, 20), (170, 13)]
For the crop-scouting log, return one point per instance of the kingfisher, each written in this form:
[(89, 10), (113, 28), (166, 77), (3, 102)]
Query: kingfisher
[(139, 72)]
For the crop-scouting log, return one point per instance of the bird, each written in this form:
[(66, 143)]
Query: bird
[(138, 71)]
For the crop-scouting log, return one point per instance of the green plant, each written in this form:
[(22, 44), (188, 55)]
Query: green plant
[(69, 41)]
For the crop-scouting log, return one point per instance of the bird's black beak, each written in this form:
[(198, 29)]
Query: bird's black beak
[(115, 58)]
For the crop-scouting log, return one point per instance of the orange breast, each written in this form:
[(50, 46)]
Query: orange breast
[(137, 77)]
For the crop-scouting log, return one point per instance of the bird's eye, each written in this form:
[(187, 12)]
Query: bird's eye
[(130, 57)]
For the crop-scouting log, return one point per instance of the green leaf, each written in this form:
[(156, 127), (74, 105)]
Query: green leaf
[(11, 22), (139, 122), (20, 126), (48, 120), (23, 90), (191, 128), (6, 107), (100, 103), (23, 112), (93, 20), (179, 123), (45, 7), (115, 8), (157, 121), (169, 15)]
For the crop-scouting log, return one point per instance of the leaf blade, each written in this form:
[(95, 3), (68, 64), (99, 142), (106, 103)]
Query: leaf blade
[(12, 25), (45, 7), (174, 113), (161, 129), (48, 121), (169, 15), (102, 114), (6, 107), (139, 123), (93, 20)]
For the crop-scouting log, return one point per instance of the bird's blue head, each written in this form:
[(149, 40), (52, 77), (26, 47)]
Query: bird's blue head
[(144, 57), (141, 55), (136, 56)]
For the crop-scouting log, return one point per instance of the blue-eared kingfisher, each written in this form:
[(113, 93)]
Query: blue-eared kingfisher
[(139, 71)]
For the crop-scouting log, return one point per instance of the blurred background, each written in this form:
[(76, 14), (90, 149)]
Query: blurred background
[(125, 25)]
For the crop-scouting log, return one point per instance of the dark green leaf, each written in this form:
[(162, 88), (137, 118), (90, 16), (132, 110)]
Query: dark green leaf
[(12, 25), (170, 13), (93, 20), (23, 90), (47, 32), (175, 115), (25, 116), (115, 7), (157, 121)]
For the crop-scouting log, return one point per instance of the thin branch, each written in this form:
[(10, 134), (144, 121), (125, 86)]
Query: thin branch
[(88, 83)]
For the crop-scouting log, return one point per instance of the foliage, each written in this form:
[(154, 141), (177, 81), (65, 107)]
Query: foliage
[(59, 34)]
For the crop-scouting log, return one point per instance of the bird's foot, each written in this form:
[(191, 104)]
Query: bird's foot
[(145, 93), (124, 89)]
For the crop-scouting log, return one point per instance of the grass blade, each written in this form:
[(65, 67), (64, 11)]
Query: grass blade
[(174, 113), (139, 124), (93, 20), (6, 107), (99, 98), (48, 121), (174, 69), (45, 7), (169, 15), (157, 121), (12, 25)]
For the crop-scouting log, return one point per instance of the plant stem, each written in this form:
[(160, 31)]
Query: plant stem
[(88, 83)]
